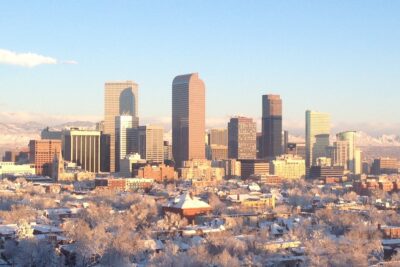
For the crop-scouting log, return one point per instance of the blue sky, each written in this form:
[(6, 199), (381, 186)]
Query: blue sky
[(340, 57)]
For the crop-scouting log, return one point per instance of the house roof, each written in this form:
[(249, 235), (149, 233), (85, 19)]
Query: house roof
[(188, 201)]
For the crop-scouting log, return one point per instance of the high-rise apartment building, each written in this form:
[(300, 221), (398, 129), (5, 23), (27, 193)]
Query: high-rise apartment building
[(121, 98), (317, 135), (271, 126), (242, 142), (42, 153), (151, 143), (82, 147), (188, 118), (125, 137)]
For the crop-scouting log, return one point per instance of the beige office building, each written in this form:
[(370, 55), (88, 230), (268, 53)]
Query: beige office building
[(201, 170), (188, 118), (289, 167), (317, 135), (151, 143), (120, 98), (83, 148)]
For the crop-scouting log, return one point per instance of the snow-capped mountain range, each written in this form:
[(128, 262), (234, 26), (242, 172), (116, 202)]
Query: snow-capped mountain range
[(17, 135), (363, 140)]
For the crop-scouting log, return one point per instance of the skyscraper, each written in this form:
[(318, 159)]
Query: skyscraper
[(125, 137), (242, 142), (188, 118), (271, 126), (151, 143), (121, 98), (317, 129), (83, 148), (353, 160)]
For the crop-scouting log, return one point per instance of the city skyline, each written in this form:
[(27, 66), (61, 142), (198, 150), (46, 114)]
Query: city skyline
[(309, 68)]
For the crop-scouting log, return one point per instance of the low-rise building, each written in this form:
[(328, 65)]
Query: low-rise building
[(159, 173), (254, 167), (321, 172), (390, 232), (11, 169), (253, 200), (267, 179), (201, 170), (188, 206), (123, 184), (127, 165), (385, 166), (289, 167)]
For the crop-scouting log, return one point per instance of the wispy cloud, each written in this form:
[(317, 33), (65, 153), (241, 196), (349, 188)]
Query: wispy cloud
[(28, 59)]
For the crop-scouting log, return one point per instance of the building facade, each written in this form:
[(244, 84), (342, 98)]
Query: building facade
[(127, 165), (160, 173), (242, 138), (288, 167), (120, 98), (168, 151), (125, 137), (82, 147), (254, 167), (218, 137), (201, 170), (188, 118), (353, 159), (317, 136), (339, 153), (271, 126), (42, 153), (10, 169), (151, 143)]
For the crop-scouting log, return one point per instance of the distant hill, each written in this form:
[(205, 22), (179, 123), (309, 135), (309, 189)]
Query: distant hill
[(17, 135)]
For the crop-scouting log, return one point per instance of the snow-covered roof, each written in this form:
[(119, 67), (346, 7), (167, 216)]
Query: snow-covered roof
[(188, 201)]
